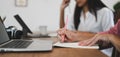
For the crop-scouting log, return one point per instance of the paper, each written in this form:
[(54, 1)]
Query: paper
[(74, 45)]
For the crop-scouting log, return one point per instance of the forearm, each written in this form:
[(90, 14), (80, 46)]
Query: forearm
[(62, 24), (84, 35), (115, 40)]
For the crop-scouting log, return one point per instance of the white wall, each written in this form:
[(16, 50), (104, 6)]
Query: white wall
[(38, 12), (110, 3)]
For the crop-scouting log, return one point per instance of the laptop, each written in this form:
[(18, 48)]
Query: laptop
[(21, 45)]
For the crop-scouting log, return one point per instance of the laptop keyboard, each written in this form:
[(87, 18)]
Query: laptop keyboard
[(17, 44)]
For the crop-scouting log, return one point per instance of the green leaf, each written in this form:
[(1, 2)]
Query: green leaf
[(117, 6)]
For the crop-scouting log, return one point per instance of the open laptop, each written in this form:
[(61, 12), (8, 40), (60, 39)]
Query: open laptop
[(20, 45)]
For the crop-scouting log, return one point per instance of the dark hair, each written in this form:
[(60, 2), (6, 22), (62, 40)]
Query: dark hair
[(93, 6)]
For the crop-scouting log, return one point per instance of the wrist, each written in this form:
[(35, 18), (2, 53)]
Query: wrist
[(61, 9), (110, 36)]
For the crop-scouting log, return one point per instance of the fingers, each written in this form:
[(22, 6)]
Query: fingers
[(88, 42), (99, 37), (68, 34), (91, 41), (84, 43), (61, 38), (61, 31), (65, 3), (64, 38), (62, 35)]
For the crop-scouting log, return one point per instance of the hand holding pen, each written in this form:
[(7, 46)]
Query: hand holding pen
[(62, 31)]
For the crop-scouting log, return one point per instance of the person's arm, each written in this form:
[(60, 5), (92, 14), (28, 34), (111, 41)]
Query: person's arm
[(106, 37), (115, 40), (65, 3), (84, 35), (78, 36), (62, 24), (113, 30)]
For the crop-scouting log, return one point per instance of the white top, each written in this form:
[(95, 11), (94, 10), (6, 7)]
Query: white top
[(104, 23)]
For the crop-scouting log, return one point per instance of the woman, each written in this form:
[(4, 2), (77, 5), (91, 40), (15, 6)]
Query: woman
[(109, 38), (90, 17)]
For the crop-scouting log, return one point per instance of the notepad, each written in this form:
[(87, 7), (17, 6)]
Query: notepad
[(74, 45)]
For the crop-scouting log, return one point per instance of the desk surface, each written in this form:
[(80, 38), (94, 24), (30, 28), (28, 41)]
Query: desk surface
[(59, 52)]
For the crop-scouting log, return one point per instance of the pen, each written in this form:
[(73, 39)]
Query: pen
[(65, 27)]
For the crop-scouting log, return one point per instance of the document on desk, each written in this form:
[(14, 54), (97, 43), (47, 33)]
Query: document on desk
[(74, 45)]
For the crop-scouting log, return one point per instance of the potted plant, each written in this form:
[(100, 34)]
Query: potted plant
[(117, 6), (117, 12)]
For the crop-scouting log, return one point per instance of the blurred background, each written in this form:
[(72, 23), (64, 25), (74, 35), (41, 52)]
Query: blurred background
[(38, 13)]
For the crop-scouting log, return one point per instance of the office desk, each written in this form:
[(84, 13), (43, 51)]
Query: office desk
[(58, 52)]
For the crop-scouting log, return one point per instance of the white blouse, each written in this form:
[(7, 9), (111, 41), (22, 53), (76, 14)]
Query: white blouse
[(89, 24)]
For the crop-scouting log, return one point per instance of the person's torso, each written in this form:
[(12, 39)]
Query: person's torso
[(90, 23)]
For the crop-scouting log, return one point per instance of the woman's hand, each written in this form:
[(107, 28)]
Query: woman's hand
[(95, 39), (61, 31), (61, 35), (69, 36), (65, 3)]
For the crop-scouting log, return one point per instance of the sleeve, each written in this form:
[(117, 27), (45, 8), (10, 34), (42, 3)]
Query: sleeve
[(107, 20), (70, 25), (113, 30)]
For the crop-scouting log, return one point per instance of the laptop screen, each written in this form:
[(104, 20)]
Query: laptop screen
[(3, 34)]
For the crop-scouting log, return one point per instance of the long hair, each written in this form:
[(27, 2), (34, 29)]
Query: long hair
[(93, 7)]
